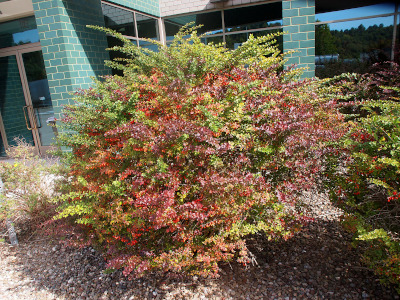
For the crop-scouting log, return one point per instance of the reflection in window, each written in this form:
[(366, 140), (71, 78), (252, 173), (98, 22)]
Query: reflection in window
[(384, 21), (116, 55), (212, 39), (253, 17), (233, 41), (212, 22), (147, 27), (352, 47), (354, 40), (396, 54), (148, 45), (18, 32), (359, 12), (171, 29), (119, 19)]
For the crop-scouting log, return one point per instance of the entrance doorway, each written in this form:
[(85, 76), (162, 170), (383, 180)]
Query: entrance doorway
[(25, 103)]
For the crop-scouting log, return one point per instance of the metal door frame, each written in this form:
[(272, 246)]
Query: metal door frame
[(28, 108)]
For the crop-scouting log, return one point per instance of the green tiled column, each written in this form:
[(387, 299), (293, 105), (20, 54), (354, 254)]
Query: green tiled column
[(299, 25), (72, 52)]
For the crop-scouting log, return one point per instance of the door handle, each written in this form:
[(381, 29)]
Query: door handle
[(27, 122), (37, 119), (30, 112)]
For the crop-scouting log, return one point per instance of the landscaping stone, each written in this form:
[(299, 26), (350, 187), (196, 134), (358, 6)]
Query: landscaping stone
[(318, 263)]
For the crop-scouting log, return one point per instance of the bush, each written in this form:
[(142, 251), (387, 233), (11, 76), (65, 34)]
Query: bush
[(367, 185), (28, 187), (193, 149)]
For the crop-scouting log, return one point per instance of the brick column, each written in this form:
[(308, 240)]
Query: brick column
[(72, 52), (299, 25)]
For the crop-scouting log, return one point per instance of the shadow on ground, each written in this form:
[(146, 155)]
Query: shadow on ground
[(318, 263)]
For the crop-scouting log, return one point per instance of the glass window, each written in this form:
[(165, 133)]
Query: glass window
[(212, 39), (2, 148), (384, 21), (396, 53), (171, 29), (355, 39), (233, 41), (40, 95), (116, 55), (18, 32), (253, 17), (148, 45), (352, 46), (119, 19), (330, 10), (147, 27), (212, 22)]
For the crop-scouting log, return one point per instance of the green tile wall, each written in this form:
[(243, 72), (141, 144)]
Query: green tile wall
[(299, 25), (151, 7), (71, 51)]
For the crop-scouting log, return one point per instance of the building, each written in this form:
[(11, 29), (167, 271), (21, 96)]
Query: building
[(46, 51)]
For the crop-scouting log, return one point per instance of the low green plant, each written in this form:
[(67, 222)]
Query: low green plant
[(366, 182), (26, 198)]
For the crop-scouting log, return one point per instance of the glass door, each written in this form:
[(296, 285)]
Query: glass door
[(3, 141), (39, 107), (12, 101), (25, 102)]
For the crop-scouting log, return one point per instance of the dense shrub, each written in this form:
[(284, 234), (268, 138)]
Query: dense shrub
[(194, 148), (370, 86), (367, 184)]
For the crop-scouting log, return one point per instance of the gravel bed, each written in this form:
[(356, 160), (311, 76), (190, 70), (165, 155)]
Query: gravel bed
[(318, 263)]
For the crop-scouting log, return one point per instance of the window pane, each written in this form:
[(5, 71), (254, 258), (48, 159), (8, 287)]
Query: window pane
[(2, 148), (147, 27), (253, 17), (40, 95), (354, 40), (397, 45), (171, 29), (118, 19), (233, 41), (148, 45), (211, 22), (352, 46), (359, 12), (18, 32), (212, 39)]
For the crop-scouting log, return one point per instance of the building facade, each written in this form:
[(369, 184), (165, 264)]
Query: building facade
[(47, 52)]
